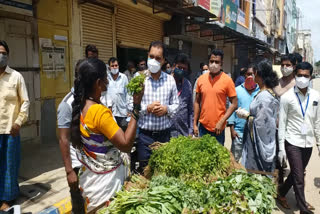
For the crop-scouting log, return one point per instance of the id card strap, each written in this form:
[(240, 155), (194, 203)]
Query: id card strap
[(303, 111)]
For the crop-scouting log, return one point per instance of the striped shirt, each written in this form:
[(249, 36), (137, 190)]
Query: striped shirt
[(165, 91)]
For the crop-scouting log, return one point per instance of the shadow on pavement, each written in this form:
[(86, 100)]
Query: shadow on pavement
[(317, 182), (286, 211), (292, 204), (33, 192)]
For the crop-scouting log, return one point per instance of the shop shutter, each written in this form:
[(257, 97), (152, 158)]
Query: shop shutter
[(136, 29), (97, 29)]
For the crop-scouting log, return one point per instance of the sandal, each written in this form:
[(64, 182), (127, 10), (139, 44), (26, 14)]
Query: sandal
[(310, 207), (283, 202)]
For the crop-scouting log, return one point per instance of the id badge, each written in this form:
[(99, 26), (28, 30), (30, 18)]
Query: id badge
[(304, 128)]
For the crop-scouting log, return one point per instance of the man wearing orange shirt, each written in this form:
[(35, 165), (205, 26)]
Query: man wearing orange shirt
[(212, 91)]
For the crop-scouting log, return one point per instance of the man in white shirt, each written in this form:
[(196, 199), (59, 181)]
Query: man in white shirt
[(117, 97), (287, 81), (299, 123)]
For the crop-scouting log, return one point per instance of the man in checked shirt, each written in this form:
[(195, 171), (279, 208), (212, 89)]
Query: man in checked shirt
[(159, 104)]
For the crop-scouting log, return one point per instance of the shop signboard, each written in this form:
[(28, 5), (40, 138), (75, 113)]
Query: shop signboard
[(241, 17), (213, 6), (230, 10)]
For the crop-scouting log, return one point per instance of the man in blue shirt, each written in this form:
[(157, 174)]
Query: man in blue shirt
[(241, 78), (245, 93), (183, 119)]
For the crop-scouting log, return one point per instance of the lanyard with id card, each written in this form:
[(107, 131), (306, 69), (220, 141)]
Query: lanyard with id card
[(304, 127)]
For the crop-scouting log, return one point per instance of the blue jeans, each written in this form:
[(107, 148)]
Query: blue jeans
[(145, 139), (204, 131), (236, 148)]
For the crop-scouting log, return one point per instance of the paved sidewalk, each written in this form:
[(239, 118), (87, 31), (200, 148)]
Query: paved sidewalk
[(42, 177)]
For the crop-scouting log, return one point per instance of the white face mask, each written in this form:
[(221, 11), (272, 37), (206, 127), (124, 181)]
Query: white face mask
[(286, 71), (114, 71), (302, 82), (214, 68), (205, 71), (154, 66)]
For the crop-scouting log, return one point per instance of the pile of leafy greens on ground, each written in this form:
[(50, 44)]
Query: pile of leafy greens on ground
[(240, 193), (135, 85), (164, 195), (194, 176), (202, 160)]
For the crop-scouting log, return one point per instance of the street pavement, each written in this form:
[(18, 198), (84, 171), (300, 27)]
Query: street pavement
[(43, 181), (42, 177)]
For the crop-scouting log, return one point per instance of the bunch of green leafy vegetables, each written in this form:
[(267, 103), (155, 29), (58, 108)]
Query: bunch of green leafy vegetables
[(242, 193), (239, 193), (164, 195), (201, 160), (182, 183), (135, 85)]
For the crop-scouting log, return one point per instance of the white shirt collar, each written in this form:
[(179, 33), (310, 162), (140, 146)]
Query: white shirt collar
[(8, 70), (296, 90)]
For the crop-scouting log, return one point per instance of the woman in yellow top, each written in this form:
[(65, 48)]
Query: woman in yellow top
[(102, 145)]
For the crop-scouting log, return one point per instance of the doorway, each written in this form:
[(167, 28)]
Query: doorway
[(125, 54)]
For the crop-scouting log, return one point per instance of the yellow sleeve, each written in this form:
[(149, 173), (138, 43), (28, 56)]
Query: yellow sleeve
[(103, 121)]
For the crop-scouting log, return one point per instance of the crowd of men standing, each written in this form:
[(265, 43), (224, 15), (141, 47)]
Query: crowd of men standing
[(262, 111), (271, 120)]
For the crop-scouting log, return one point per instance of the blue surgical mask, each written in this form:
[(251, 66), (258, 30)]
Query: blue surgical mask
[(178, 73), (169, 71)]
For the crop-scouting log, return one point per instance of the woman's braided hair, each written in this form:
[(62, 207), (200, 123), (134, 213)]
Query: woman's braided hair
[(87, 73)]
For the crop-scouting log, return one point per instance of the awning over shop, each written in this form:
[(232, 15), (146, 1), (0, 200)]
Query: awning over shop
[(218, 32), (183, 7)]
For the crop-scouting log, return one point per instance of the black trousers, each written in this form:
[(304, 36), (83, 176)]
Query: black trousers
[(77, 200), (298, 160)]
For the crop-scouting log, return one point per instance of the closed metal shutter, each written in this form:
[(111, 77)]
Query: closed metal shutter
[(136, 29), (97, 29)]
